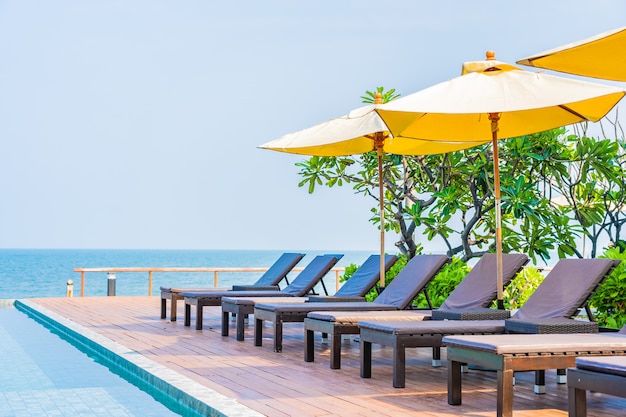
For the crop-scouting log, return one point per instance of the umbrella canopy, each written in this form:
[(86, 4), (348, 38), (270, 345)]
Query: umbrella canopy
[(360, 131), (493, 100), (601, 56), (355, 133)]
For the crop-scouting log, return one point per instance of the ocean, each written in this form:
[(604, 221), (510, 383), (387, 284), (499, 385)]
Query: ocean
[(29, 273)]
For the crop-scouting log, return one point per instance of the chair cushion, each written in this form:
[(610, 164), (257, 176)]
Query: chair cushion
[(512, 344), (615, 365), (353, 317), (435, 327), (479, 288), (565, 289), (334, 306)]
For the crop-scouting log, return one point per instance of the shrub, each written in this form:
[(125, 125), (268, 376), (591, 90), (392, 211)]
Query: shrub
[(348, 272), (609, 300), (521, 287), (389, 276), (444, 282)]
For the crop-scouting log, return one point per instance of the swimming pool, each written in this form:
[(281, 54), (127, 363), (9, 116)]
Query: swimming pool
[(180, 394), (43, 375)]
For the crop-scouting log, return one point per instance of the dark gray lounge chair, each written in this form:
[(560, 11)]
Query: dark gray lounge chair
[(398, 295), (268, 281), (303, 284), (561, 298), (605, 374), (478, 286), (508, 353), (355, 289), (554, 302), (566, 288)]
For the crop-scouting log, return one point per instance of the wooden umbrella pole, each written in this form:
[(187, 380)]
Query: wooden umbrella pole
[(495, 117), (379, 146), (379, 141)]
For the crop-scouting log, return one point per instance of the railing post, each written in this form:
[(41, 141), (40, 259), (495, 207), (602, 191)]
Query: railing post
[(215, 279), (82, 283), (111, 282), (150, 284)]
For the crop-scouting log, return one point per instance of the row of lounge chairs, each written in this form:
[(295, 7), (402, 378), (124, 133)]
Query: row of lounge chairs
[(548, 310), (352, 293), (390, 321), (268, 281), (476, 291), (302, 285)]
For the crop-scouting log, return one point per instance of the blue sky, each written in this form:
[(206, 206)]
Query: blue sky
[(134, 123)]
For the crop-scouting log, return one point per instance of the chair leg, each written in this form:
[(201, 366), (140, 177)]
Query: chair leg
[(505, 393), (240, 326), (278, 336), (309, 354), (258, 332), (199, 317), (335, 351), (540, 382), (399, 366), (163, 307), (577, 402), (454, 382), (173, 306), (436, 356), (366, 359), (225, 323), (187, 315)]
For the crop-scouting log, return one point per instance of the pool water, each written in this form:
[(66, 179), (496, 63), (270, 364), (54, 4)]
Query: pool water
[(43, 375)]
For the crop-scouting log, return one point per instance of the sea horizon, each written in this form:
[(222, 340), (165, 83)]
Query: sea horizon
[(44, 272)]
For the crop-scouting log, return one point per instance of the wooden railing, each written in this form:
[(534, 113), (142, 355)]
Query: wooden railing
[(216, 271)]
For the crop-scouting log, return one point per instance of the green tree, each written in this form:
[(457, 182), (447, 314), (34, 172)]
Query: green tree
[(592, 191)]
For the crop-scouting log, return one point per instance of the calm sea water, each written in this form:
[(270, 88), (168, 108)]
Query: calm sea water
[(27, 273)]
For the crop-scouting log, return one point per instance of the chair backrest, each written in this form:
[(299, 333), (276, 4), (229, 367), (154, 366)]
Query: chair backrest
[(311, 275), (566, 288), (413, 278), (365, 277), (279, 269), (479, 287)]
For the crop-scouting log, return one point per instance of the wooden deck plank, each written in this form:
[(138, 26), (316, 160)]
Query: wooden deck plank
[(282, 384)]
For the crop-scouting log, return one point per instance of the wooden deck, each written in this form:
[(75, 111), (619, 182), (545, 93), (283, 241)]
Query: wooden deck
[(282, 384)]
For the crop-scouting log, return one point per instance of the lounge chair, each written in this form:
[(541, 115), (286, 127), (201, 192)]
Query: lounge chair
[(563, 292), (306, 280), (268, 281), (398, 295), (605, 374), (507, 353), (355, 289), (478, 287)]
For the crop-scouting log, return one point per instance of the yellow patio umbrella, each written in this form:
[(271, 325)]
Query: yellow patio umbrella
[(493, 100), (601, 56), (362, 130)]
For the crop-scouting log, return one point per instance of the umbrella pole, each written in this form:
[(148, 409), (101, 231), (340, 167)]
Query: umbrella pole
[(381, 195), (495, 117)]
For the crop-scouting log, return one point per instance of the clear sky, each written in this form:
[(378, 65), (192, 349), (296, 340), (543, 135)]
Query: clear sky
[(134, 123)]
